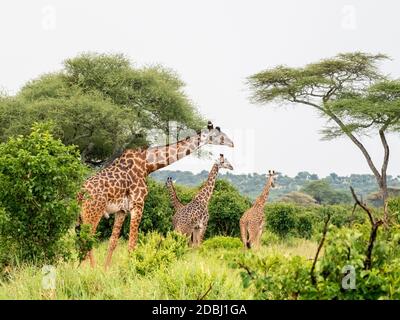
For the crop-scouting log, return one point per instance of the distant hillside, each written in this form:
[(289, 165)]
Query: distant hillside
[(252, 184)]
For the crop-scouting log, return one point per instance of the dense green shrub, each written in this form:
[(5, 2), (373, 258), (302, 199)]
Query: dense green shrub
[(268, 238), (394, 208), (39, 178), (281, 218), (84, 240), (304, 225), (341, 216), (226, 207), (279, 277), (156, 252), (222, 242)]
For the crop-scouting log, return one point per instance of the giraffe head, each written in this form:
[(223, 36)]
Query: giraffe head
[(169, 182), (272, 176), (215, 136), (224, 163)]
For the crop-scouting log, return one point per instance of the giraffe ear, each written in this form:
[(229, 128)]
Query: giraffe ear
[(218, 128), (210, 126)]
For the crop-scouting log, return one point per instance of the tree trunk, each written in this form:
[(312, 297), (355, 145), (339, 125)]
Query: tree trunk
[(380, 177)]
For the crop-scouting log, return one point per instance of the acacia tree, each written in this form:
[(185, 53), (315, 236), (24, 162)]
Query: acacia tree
[(101, 103), (348, 90)]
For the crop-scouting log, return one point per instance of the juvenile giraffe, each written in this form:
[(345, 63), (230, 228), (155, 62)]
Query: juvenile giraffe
[(192, 218), (121, 187), (172, 194), (252, 221)]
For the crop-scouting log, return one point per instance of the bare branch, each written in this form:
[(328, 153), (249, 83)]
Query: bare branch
[(363, 206), (321, 243), (207, 292), (374, 230)]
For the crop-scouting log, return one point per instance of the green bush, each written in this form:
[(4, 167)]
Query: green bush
[(268, 238), (281, 218), (394, 208), (304, 225), (280, 277), (156, 252), (226, 207), (222, 242), (84, 240), (39, 178), (341, 216)]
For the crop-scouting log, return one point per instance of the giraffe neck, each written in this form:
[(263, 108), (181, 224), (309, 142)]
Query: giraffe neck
[(263, 197), (207, 190), (174, 198), (162, 156)]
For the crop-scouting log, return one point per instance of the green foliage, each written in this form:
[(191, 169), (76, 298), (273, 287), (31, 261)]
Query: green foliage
[(304, 225), (226, 207), (341, 216), (394, 208), (279, 277), (39, 178), (268, 237), (281, 218), (155, 252), (275, 277), (221, 242), (84, 241), (318, 79), (323, 193), (102, 104)]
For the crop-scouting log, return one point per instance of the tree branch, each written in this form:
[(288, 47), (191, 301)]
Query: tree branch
[(386, 148), (321, 243), (357, 143), (374, 230), (363, 206), (205, 294)]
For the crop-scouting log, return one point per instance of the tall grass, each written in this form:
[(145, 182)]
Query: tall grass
[(189, 277)]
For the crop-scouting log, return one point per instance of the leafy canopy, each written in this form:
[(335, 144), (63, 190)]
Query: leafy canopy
[(101, 103)]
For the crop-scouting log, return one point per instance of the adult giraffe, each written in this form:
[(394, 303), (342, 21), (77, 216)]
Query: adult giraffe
[(121, 187), (192, 219), (252, 221)]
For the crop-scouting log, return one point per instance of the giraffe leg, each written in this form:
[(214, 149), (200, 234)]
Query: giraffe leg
[(258, 239), (118, 222), (91, 214), (251, 242), (195, 237), (201, 235), (90, 255), (136, 216), (243, 233)]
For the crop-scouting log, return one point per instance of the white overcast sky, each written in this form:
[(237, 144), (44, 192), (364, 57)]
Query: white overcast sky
[(214, 45)]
